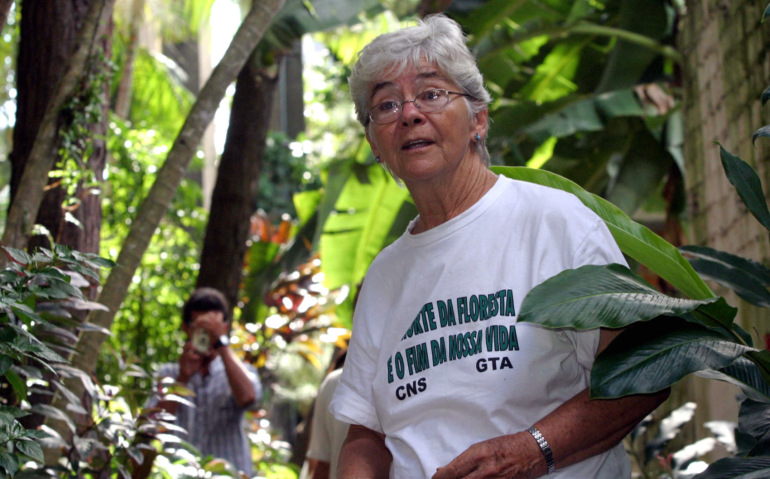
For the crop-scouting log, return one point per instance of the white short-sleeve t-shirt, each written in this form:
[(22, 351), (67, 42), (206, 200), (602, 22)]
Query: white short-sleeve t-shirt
[(437, 360)]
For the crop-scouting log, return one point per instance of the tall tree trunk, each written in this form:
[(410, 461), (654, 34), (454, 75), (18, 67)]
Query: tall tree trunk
[(28, 182), (161, 193), (725, 48), (5, 7), (235, 192), (41, 61), (123, 93)]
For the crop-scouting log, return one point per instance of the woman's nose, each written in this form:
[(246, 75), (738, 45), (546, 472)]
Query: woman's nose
[(410, 113)]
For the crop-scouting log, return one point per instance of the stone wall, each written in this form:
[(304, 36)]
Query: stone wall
[(725, 70)]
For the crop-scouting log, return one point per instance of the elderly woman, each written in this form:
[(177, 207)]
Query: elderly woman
[(441, 381)]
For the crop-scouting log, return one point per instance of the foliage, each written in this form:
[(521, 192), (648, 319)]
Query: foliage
[(146, 328), (39, 298), (565, 80), (582, 89), (669, 338), (658, 451), (82, 111), (285, 172), (666, 338), (41, 295)]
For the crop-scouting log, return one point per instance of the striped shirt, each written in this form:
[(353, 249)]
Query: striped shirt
[(216, 424)]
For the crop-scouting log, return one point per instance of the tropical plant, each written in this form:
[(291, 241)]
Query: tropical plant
[(667, 338), (41, 300), (658, 451), (573, 86), (154, 206)]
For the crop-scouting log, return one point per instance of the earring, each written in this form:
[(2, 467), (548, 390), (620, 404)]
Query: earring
[(477, 137), (377, 159)]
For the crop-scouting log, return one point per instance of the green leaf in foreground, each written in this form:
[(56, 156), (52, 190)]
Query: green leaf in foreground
[(747, 184), (738, 468), (762, 132), (595, 296), (749, 279), (30, 449), (766, 93), (635, 240), (651, 356), (742, 373)]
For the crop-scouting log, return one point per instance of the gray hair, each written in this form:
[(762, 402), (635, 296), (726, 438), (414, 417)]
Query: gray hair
[(437, 40)]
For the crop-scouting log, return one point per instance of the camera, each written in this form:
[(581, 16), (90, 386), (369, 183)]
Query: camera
[(200, 340)]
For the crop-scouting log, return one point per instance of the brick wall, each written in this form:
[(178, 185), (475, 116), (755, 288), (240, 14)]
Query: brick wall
[(726, 68)]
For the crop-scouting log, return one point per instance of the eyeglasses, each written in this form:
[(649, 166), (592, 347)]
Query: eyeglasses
[(428, 101)]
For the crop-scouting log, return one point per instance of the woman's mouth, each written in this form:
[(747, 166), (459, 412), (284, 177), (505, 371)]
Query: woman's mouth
[(410, 145)]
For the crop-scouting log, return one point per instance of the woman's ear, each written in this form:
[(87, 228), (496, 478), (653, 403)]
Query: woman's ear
[(481, 123), (374, 148)]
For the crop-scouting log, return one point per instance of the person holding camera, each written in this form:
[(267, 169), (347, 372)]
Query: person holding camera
[(224, 387)]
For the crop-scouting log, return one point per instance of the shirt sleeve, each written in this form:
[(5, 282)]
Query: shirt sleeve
[(353, 401), (597, 248), (320, 437)]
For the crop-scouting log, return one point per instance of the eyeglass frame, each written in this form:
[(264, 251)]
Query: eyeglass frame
[(399, 106)]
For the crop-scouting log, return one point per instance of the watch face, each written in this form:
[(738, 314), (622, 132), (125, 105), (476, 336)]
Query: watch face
[(223, 340)]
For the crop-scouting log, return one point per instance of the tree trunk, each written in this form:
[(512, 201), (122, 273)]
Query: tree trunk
[(123, 93), (30, 176), (160, 195), (5, 7), (725, 48), (235, 192)]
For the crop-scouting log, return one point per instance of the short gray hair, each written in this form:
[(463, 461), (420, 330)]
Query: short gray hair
[(436, 39)]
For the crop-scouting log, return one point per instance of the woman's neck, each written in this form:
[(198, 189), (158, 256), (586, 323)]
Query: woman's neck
[(439, 201)]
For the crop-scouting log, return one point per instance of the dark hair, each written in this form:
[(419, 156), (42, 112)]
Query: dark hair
[(204, 299)]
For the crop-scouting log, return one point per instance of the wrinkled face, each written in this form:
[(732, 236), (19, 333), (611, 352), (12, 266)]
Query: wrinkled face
[(421, 146)]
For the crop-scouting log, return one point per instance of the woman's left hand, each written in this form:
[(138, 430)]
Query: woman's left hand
[(515, 456)]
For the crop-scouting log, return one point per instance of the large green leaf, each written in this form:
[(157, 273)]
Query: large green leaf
[(486, 18), (748, 185), (749, 279), (9, 462), (593, 296), (30, 449), (754, 421), (360, 224), (737, 468), (158, 95), (580, 116), (645, 164), (298, 17), (653, 355), (746, 375), (553, 77), (628, 61), (634, 240)]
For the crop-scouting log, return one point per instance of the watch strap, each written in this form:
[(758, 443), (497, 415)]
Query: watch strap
[(223, 340), (545, 448)]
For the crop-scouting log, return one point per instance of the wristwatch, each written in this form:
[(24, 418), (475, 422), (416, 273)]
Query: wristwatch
[(545, 448), (223, 340)]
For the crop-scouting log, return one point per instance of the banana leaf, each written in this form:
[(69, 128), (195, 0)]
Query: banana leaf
[(634, 239), (746, 375), (738, 468), (592, 296), (749, 279), (747, 184), (650, 356)]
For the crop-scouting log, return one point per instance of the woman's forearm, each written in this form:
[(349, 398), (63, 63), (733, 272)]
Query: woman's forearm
[(364, 455), (583, 427)]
